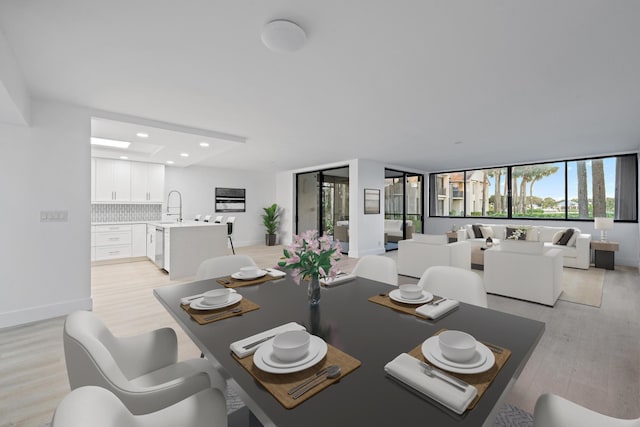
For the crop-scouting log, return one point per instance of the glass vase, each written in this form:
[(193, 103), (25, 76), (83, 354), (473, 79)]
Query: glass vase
[(314, 291)]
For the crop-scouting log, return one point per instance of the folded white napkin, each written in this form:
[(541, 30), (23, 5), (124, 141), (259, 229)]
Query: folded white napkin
[(275, 272), (337, 280), (192, 298), (433, 312), (409, 370), (237, 346)]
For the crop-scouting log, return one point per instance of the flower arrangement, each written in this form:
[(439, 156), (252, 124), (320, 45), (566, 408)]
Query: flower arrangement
[(311, 256)]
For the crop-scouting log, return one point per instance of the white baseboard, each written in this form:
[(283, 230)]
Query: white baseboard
[(42, 312)]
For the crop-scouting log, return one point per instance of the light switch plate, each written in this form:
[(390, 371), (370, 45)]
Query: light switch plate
[(54, 216)]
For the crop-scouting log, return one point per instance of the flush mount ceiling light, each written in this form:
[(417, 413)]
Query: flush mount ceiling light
[(110, 142), (283, 36), (142, 135), (204, 144), (184, 154)]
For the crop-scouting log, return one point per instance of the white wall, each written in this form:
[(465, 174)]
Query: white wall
[(45, 266), (197, 185)]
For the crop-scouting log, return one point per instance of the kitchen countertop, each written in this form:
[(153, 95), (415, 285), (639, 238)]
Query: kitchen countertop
[(159, 223)]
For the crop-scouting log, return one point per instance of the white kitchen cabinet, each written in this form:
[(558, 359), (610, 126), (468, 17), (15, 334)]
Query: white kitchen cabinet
[(147, 182), (112, 180), (138, 240), (167, 249), (151, 242), (111, 241)]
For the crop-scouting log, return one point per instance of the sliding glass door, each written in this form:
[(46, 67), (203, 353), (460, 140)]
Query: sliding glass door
[(403, 201), (322, 202)]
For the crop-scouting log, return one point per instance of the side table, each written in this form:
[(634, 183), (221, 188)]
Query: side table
[(604, 253), (452, 235)]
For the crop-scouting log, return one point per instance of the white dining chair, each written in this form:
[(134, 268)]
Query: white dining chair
[(554, 411), (99, 407), (142, 371), (455, 283), (377, 267), (223, 266)]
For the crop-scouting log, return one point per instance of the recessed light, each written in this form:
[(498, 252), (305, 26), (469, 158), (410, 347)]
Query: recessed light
[(204, 144), (124, 157), (142, 135), (170, 162), (184, 154), (110, 143)]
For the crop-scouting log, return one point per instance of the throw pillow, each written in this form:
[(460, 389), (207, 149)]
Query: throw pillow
[(486, 232), (565, 237), (532, 235), (477, 231), (519, 232), (556, 237), (574, 237)]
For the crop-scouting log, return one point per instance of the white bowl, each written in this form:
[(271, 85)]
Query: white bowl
[(216, 296), (457, 346), (249, 271), (410, 291), (291, 346)]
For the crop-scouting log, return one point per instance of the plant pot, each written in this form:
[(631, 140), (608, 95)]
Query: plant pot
[(270, 239)]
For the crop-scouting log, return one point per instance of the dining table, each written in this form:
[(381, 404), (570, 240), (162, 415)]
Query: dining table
[(373, 334)]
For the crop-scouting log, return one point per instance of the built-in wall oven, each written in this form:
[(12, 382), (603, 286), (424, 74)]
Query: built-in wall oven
[(159, 256)]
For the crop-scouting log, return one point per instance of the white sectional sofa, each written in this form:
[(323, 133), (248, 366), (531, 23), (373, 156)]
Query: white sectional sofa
[(576, 253), (423, 251)]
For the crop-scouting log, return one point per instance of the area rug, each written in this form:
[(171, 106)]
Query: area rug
[(583, 286)]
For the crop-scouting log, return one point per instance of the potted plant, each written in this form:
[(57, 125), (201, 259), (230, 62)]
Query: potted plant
[(270, 221)]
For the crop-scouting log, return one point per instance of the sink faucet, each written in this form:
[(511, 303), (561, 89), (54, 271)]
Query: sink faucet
[(173, 207)]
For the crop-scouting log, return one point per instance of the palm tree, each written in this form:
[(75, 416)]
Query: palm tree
[(599, 196), (583, 197)]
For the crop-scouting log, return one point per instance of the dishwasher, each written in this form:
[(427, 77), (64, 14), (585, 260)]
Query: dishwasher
[(159, 255)]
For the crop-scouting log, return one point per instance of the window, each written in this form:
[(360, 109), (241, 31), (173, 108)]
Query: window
[(574, 189)]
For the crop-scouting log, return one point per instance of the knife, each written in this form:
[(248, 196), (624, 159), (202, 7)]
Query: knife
[(255, 343)]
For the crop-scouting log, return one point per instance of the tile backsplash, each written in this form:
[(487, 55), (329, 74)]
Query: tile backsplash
[(124, 212)]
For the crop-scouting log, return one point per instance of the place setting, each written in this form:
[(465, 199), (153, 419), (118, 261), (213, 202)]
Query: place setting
[(292, 364), (250, 275), (412, 299), (216, 304), (451, 367)]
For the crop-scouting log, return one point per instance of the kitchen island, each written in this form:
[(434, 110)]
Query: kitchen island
[(180, 247)]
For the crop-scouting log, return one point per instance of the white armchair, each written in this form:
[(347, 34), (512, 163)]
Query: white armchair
[(142, 371), (524, 270), (98, 407), (554, 411), (424, 251)]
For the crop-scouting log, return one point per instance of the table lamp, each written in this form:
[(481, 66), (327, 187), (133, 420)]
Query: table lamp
[(603, 224)]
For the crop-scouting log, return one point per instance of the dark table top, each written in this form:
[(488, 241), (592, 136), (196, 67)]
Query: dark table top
[(367, 331)]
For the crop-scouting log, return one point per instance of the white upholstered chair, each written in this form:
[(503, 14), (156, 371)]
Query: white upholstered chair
[(455, 283), (98, 407), (142, 371), (223, 266), (555, 411), (376, 267)]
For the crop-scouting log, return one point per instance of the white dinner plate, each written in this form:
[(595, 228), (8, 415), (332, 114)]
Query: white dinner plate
[(199, 305), (431, 350), (264, 352), (270, 359), (396, 296), (241, 276)]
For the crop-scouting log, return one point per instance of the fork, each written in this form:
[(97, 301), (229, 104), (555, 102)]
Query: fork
[(430, 371)]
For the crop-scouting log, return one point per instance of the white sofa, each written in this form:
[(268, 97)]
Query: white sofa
[(393, 229), (423, 251), (576, 254), (525, 270)]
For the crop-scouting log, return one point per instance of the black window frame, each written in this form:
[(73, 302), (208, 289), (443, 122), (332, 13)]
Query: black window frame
[(434, 181)]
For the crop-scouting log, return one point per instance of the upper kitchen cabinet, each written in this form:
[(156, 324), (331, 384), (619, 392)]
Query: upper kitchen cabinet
[(113, 180), (147, 182)]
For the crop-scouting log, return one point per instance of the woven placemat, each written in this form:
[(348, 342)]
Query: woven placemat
[(203, 316), (230, 282), (481, 381), (279, 384), (399, 306)]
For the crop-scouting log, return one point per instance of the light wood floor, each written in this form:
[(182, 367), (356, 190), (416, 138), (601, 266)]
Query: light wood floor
[(589, 355)]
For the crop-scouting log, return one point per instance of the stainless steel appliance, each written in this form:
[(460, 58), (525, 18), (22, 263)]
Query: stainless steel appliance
[(159, 256)]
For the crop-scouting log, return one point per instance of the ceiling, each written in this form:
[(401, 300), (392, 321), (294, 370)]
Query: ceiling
[(430, 85)]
